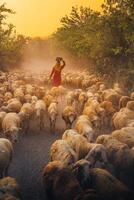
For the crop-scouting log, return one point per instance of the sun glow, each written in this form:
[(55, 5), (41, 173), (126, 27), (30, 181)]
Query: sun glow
[(42, 17)]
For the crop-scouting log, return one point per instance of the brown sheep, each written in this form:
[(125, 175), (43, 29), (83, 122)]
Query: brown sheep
[(60, 183), (123, 101), (69, 115), (9, 189)]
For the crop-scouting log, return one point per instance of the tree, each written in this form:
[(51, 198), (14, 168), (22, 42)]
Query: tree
[(11, 44), (105, 38)]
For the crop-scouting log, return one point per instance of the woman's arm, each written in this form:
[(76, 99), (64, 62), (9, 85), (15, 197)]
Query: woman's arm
[(63, 65)]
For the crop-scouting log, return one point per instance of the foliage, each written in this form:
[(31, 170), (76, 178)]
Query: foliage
[(11, 44), (104, 37)]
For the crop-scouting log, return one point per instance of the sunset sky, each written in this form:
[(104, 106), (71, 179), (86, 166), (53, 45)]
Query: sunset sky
[(42, 17)]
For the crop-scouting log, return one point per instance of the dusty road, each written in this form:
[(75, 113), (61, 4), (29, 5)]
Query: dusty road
[(31, 154)]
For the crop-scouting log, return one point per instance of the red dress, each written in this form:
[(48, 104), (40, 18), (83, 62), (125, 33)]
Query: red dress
[(56, 75)]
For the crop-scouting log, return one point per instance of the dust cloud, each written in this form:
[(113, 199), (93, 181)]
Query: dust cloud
[(39, 57)]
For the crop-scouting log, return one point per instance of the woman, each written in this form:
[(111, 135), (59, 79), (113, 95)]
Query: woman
[(56, 72)]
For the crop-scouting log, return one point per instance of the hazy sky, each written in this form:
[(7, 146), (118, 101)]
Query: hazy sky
[(42, 17)]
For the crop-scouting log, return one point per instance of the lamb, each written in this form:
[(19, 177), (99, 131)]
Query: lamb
[(53, 113), (11, 126), (61, 151), (9, 189), (84, 127), (69, 115), (59, 182), (40, 110), (6, 151)]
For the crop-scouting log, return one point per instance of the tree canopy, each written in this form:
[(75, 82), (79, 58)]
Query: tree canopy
[(104, 37)]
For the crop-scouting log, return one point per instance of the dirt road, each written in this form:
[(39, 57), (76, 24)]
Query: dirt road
[(31, 154)]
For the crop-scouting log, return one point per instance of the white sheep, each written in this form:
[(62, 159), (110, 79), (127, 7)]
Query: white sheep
[(61, 151), (53, 113), (84, 127), (11, 126)]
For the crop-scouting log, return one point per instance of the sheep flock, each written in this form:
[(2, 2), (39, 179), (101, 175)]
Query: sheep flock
[(93, 159)]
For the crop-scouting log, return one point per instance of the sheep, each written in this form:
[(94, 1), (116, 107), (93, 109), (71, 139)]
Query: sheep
[(132, 96), (100, 180), (6, 151), (11, 126), (111, 95), (19, 94), (61, 151), (30, 89), (98, 156), (81, 170), (93, 117), (123, 101), (14, 105), (34, 100), (82, 100), (69, 115), (25, 114), (9, 189), (108, 186), (40, 111), (109, 112), (2, 115), (84, 127), (124, 118), (125, 135), (27, 98), (130, 105), (118, 89), (119, 155), (59, 182), (8, 96), (53, 113), (77, 142), (70, 98), (54, 92), (48, 99)]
